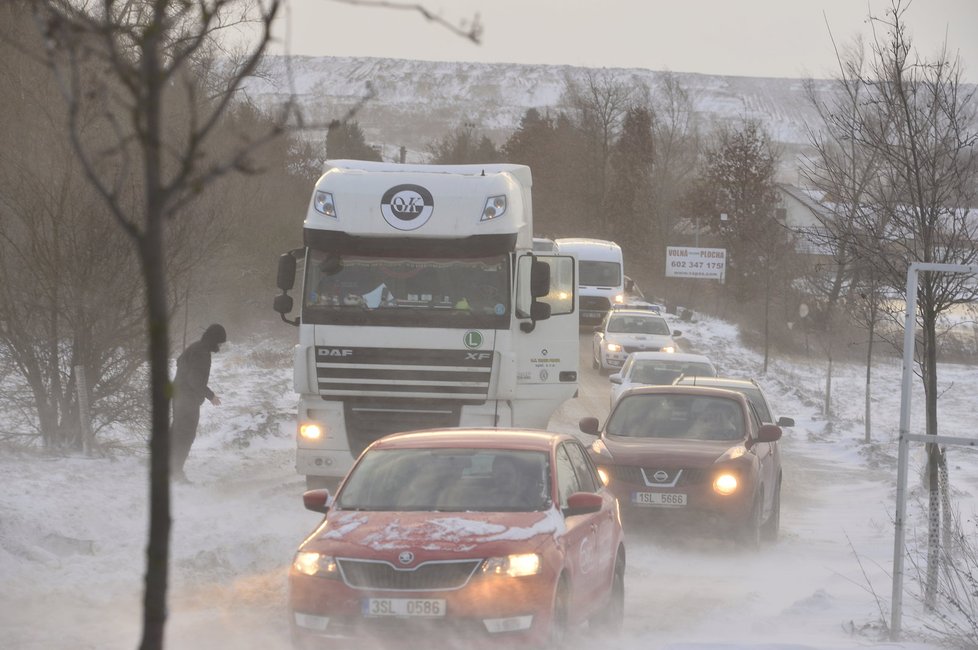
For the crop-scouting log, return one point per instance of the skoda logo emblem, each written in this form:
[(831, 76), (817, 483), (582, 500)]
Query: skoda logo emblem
[(660, 476), (407, 207), (405, 557)]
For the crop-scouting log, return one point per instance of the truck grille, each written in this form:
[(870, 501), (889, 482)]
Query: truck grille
[(459, 375), (428, 576)]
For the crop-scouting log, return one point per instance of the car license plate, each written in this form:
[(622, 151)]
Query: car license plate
[(661, 499), (410, 607)]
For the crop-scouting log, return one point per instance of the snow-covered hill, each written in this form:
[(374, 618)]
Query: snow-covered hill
[(418, 102)]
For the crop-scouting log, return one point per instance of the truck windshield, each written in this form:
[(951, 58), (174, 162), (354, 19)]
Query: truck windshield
[(401, 291)]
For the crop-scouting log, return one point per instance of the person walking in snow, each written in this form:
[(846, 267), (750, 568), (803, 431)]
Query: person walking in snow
[(190, 389)]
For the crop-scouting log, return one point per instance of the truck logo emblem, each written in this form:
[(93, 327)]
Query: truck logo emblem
[(407, 207), (477, 356), (336, 352), (472, 339)]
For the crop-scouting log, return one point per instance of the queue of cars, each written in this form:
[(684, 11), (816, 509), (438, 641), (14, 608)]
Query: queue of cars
[(489, 536)]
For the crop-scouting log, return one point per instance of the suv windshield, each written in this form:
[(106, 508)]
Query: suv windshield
[(691, 417)]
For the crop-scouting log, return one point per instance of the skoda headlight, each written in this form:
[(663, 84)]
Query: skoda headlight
[(311, 563), (514, 566)]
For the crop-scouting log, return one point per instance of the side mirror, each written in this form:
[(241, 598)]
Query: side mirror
[(583, 503), (769, 433), (539, 311), (676, 334), (317, 500), (286, 273), (589, 425), (786, 422), (615, 378), (539, 279), (283, 303)]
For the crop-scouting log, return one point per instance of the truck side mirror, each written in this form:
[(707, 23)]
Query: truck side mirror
[(539, 311), (286, 274), (286, 280), (283, 303), (540, 280)]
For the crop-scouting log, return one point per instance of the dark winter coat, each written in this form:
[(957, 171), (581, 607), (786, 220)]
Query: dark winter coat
[(194, 366)]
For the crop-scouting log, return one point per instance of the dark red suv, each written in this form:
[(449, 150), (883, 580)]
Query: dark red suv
[(694, 453)]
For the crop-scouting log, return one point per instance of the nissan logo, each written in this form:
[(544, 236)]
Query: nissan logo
[(660, 476), (405, 557)]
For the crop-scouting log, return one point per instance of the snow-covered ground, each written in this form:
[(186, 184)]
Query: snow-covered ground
[(73, 530)]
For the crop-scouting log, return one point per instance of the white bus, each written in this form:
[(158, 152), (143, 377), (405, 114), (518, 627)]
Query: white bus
[(601, 277)]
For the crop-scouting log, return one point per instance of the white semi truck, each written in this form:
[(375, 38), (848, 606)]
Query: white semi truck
[(423, 305)]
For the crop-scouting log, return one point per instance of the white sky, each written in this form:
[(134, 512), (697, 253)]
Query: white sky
[(762, 38)]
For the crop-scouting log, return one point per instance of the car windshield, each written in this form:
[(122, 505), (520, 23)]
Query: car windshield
[(638, 324), (448, 480), (665, 371), (691, 417)]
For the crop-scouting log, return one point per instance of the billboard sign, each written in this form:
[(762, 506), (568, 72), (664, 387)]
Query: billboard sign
[(690, 262)]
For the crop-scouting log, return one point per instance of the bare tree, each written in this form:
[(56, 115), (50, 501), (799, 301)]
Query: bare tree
[(117, 65), (913, 129), (598, 104)]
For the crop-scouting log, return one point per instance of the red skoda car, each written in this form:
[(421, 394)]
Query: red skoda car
[(475, 537)]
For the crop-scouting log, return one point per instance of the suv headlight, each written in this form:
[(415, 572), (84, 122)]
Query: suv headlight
[(725, 484), (612, 347)]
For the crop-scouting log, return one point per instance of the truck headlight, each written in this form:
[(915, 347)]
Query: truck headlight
[(620, 299), (323, 202), (311, 431), (316, 564), (495, 207), (514, 566)]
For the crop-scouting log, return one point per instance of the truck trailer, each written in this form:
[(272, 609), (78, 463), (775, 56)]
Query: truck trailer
[(423, 305)]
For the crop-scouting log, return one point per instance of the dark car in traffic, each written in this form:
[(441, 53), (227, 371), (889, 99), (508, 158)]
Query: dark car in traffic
[(691, 453)]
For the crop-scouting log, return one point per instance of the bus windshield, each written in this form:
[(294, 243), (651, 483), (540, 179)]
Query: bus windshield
[(403, 291)]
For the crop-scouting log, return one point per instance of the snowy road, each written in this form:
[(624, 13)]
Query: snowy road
[(72, 531)]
